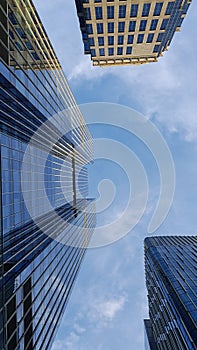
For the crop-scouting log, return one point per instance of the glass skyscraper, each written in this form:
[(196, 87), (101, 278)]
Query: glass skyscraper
[(117, 32), (171, 280), (46, 220)]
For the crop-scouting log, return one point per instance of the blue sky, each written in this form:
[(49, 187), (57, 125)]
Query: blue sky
[(108, 303)]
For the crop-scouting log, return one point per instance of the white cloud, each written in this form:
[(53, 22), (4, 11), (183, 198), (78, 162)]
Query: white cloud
[(109, 308)]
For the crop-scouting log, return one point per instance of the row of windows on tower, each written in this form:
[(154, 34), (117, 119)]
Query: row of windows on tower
[(111, 51), (132, 26), (133, 10), (130, 38)]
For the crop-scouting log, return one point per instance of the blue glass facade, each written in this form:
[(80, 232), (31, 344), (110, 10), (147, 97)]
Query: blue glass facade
[(171, 280), (46, 220)]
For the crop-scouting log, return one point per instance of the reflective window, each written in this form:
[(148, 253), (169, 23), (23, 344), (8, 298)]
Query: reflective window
[(121, 26), (110, 27), (122, 11), (129, 50), (146, 10), (164, 23), (110, 51), (119, 51), (98, 12), (140, 38), (134, 10), (88, 13), (169, 8), (150, 38), (101, 40), (153, 25), (156, 48), (99, 28), (120, 39), (130, 39), (132, 25), (143, 25), (110, 40), (110, 12), (158, 7), (160, 37), (102, 52)]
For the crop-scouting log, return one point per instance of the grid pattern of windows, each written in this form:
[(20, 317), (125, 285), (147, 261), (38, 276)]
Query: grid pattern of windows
[(170, 266), (135, 17), (39, 271)]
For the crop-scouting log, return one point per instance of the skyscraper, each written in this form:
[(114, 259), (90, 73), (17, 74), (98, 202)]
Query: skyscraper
[(117, 32), (171, 280), (46, 220)]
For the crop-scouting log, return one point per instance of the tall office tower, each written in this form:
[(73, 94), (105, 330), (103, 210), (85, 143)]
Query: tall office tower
[(117, 32), (46, 220), (171, 280)]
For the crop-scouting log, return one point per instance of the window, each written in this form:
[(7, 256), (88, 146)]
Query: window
[(119, 50), (89, 28), (129, 50), (97, 1), (143, 25), (169, 8), (158, 7), (98, 12), (110, 12), (93, 52), (122, 11), (121, 26), (145, 10), (153, 25), (88, 13), (101, 41), (91, 41), (99, 28), (111, 27), (120, 39), (102, 52), (150, 38), (110, 51), (164, 23), (156, 48), (130, 39), (134, 10), (160, 37), (110, 40), (140, 38), (132, 25)]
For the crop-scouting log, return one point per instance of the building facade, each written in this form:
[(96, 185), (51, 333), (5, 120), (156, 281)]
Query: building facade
[(171, 280), (117, 32), (46, 220)]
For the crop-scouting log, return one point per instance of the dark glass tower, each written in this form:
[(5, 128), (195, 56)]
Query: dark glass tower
[(171, 280), (46, 220)]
